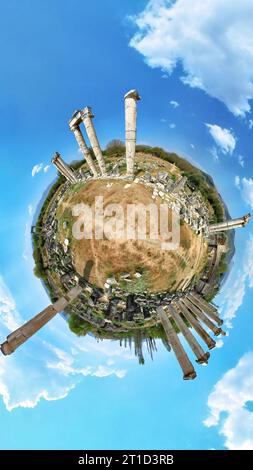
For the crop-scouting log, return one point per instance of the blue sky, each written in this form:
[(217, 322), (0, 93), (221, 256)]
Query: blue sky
[(59, 391)]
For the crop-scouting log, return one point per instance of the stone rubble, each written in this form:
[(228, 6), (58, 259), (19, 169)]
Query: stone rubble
[(95, 304)]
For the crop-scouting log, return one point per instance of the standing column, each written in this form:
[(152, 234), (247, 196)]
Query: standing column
[(195, 324), (63, 168), (208, 308), (202, 357), (66, 170), (84, 149), (57, 163), (65, 173), (230, 224), (74, 123), (200, 314), (87, 120), (131, 99), (185, 363), (22, 334)]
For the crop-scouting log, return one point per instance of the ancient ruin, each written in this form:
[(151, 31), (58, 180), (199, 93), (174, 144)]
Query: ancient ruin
[(132, 290), (230, 224), (131, 99), (63, 168), (22, 334)]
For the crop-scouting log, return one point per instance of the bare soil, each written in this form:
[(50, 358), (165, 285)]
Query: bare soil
[(161, 270)]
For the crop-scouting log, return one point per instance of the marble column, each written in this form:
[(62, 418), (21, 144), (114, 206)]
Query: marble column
[(185, 363), (89, 126), (195, 324), (56, 160), (210, 310), (22, 334), (230, 224), (131, 99), (74, 124), (202, 316), (64, 168), (202, 357)]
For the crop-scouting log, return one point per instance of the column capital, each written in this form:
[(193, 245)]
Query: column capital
[(75, 120), (56, 157), (230, 224), (87, 112), (74, 127), (132, 94), (246, 218)]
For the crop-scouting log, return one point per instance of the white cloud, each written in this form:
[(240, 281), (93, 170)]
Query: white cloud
[(212, 40), (37, 168), (223, 138), (105, 371), (65, 363), (9, 316), (230, 396), (247, 190), (235, 292), (49, 370), (234, 299), (27, 252), (237, 181), (250, 124), (193, 81), (214, 152), (246, 187), (172, 125), (241, 161), (174, 104), (163, 120), (110, 362), (192, 146), (219, 343)]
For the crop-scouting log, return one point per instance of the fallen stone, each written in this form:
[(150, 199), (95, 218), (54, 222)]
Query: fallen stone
[(137, 275)]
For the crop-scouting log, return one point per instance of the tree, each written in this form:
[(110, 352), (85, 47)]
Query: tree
[(115, 143), (115, 146), (78, 326)]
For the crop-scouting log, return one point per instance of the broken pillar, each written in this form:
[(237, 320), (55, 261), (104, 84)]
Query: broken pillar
[(179, 185)]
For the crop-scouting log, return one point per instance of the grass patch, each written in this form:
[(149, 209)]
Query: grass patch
[(137, 285)]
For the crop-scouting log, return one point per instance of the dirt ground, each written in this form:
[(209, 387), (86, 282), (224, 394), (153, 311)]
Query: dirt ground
[(162, 270)]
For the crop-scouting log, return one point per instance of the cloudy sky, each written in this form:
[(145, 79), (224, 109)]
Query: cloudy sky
[(192, 63)]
